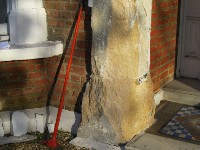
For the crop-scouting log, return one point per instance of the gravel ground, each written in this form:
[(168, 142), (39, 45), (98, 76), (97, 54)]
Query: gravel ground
[(63, 139)]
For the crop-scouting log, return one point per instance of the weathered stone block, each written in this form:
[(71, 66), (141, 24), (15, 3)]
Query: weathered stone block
[(115, 107)]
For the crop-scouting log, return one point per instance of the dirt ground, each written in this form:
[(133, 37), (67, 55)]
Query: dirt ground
[(63, 139)]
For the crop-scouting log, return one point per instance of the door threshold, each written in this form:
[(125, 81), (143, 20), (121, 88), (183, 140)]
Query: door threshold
[(183, 91)]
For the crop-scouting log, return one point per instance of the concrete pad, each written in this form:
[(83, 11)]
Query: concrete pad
[(80, 142), (184, 84), (187, 98), (183, 90), (13, 139), (154, 142), (19, 123)]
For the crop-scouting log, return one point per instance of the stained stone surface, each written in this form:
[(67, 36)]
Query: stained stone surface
[(115, 107)]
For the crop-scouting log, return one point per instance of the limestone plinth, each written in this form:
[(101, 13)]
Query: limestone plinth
[(118, 102)]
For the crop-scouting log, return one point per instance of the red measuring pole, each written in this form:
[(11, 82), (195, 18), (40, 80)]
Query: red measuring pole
[(52, 143)]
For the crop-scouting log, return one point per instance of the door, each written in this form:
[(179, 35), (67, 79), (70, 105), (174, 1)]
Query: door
[(190, 44)]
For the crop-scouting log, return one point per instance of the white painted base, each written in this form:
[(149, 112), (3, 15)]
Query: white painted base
[(19, 123), (26, 52), (69, 120), (4, 29), (158, 97)]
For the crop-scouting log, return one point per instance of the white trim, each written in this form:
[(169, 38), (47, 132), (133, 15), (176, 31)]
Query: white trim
[(69, 121), (180, 38), (158, 97), (26, 52)]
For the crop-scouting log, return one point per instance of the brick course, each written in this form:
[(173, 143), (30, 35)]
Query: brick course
[(163, 41), (23, 84), (61, 15)]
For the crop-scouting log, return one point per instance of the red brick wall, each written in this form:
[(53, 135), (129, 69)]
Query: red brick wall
[(60, 18), (23, 84), (163, 41)]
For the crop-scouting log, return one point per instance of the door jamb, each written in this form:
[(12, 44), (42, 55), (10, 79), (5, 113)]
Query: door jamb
[(180, 37)]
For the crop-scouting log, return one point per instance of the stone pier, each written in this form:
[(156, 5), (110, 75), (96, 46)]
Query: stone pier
[(118, 102)]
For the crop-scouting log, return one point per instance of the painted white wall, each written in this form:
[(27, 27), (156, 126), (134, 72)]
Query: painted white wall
[(27, 22)]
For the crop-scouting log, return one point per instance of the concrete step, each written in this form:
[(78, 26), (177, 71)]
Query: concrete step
[(184, 91), (90, 144), (154, 142)]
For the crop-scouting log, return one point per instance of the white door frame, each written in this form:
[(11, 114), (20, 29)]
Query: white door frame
[(180, 37)]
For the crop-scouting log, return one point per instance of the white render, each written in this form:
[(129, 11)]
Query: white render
[(144, 17), (19, 123), (32, 125), (40, 123), (25, 52), (69, 121), (27, 22), (51, 127), (158, 97), (7, 127), (1, 128)]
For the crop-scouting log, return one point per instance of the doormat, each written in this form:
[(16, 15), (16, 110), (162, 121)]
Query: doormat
[(185, 124)]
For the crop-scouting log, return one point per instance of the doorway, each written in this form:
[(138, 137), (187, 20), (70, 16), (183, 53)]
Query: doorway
[(188, 61)]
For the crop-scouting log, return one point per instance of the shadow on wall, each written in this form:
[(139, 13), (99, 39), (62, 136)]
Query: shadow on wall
[(87, 25), (12, 82), (88, 48), (22, 84), (64, 59)]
